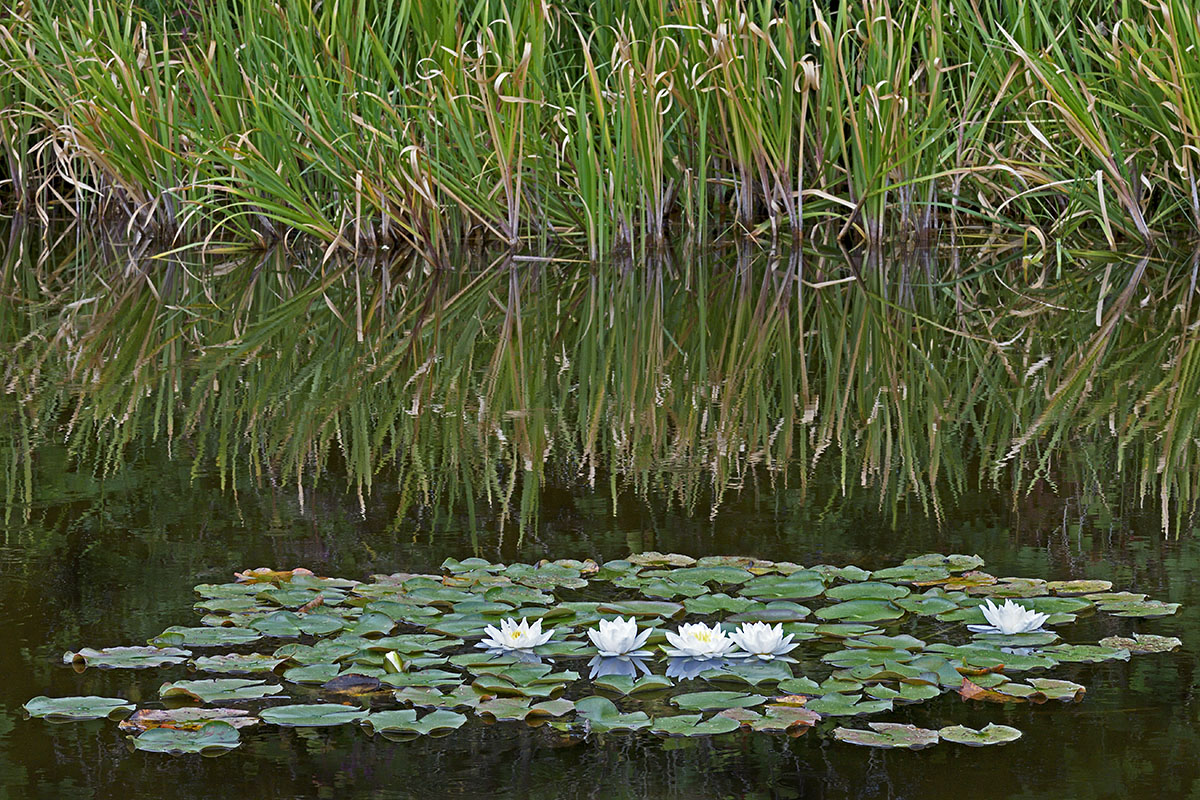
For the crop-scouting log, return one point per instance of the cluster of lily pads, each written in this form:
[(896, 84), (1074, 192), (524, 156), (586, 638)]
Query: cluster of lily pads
[(668, 644)]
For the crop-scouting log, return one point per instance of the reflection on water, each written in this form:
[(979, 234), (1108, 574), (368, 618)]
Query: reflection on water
[(164, 422), (693, 377)]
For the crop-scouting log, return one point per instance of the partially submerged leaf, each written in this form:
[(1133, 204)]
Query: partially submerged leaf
[(186, 718), (1142, 643), (213, 738), (990, 734)]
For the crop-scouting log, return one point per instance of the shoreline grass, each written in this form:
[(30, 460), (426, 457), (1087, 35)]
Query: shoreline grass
[(613, 126)]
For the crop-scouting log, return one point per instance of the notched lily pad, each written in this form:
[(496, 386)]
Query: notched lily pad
[(211, 739), (74, 709), (404, 725), (1086, 653), (988, 735), (603, 716), (837, 704), (693, 725), (861, 611), (179, 636), (1145, 608), (317, 715), (888, 735), (716, 701), (238, 663), (626, 685)]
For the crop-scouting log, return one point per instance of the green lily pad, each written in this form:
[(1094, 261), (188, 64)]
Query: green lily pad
[(231, 605), (880, 642), (861, 611), (797, 586), (1016, 639), (326, 651), (211, 739), (716, 603), (127, 657), (314, 674), (318, 715), (604, 717), (1086, 653), (1053, 689), (289, 624), (716, 701), (801, 686), (178, 636), (855, 657), (954, 563), (655, 559), (837, 704), (988, 735), (626, 685), (1070, 588), (1145, 608), (72, 709), (845, 630), (904, 692), (1142, 643), (1012, 587), (215, 590), (868, 590), (414, 643), (425, 677), (693, 725), (420, 697), (750, 673), (507, 709), (720, 575), (218, 690), (777, 611), (238, 663), (849, 573), (644, 608), (469, 564), (404, 725), (782, 719), (910, 574), (186, 718), (669, 590), (888, 735)]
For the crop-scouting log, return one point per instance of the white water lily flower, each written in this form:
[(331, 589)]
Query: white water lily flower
[(515, 636), (1009, 618), (762, 640), (697, 640), (619, 638)]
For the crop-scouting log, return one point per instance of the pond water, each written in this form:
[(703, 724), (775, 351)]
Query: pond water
[(103, 542)]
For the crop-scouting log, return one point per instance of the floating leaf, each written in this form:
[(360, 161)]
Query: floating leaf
[(127, 657), (353, 684), (187, 718), (1016, 639), (72, 709), (211, 739), (721, 575), (805, 686), (861, 611), (403, 725), (715, 603), (1069, 588), (990, 734), (218, 690), (1142, 643), (326, 651), (847, 705), (888, 735), (789, 719), (777, 611), (235, 663), (797, 586), (954, 563), (1085, 653), (849, 573), (1052, 689), (626, 685), (715, 701), (318, 715), (644, 608), (654, 559), (312, 673), (177, 636), (693, 725), (604, 717), (1144, 608), (868, 590), (425, 677), (910, 574), (750, 673)]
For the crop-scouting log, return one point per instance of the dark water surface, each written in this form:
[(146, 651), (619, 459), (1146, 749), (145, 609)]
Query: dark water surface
[(114, 564)]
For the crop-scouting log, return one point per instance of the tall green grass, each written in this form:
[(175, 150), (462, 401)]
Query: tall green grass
[(361, 124)]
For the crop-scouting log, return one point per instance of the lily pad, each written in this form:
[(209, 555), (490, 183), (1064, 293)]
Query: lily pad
[(750, 673), (1085, 653), (861, 611), (211, 739), (318, 715), (238, 663), (716, 603), (797, 586), (655, 559), (1146, 608), (1016, 639), (954, 563), (73, 709), (127, 657), (988, 735), (837, 704), (425, 677), (716, 701), (315, 674), (178, 636), (800, 686), (693, 725), (404, 725), (1071, 588), (626, 685), (888, 735), (777, 611), (868, 590), (1142, 643), (218, 690), (910, 574), (187, 718), (604, 717), (644, 608)]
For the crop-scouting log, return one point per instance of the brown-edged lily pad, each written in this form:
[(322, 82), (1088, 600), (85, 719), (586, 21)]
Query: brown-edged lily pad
[(716, 701), (693, 725), (188, 718), (218, 690), (211, 739)]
